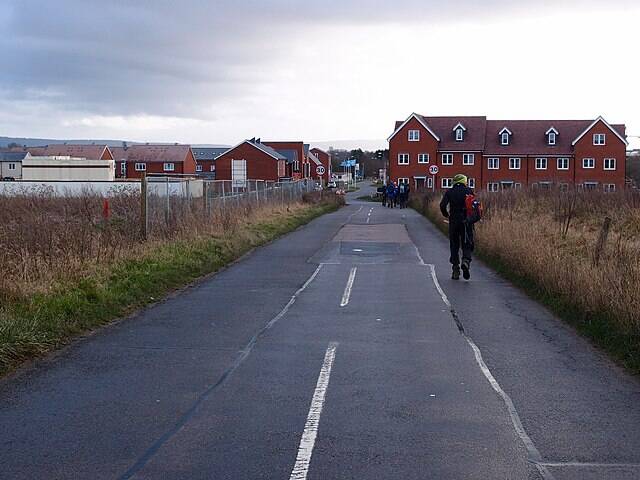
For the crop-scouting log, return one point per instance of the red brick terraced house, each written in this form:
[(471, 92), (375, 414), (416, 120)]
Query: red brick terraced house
[(295, 155), (206, 160), (325, 161), (250, 160), (132, 161), (89, 151), (502, 154)]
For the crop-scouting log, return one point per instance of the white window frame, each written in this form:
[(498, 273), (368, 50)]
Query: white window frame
[(512, 163), (140, 167), (446, 182), (552, 138), (517, 185), (12, 166), (212, 168), (459, 135), (504, 138), (471, 183), (540, 161), (449, 157), (599, 139), (402, 156), (403, 180), (414, 135), (468, 159), (609, 187), (493, 187), (169, 167), (610, 160), (198, 168), (590, 185), (423, 155), (429, 182), (123, 169), (561, 162), (493, 163), (589, 163)]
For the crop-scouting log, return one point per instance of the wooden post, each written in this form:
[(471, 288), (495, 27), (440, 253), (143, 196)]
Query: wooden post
[(204, 196), (602, 240), (144, 217)]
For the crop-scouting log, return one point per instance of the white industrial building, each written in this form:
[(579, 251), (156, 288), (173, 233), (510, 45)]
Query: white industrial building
[(65, 168)]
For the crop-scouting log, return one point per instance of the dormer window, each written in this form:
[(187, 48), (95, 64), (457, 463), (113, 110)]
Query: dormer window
[(459, 132), (551, 136), (505, 136), (414, 135)]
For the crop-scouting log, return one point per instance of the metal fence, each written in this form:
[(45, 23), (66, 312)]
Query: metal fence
[(169, 203)]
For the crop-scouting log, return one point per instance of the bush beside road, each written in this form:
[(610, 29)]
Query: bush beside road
[(560, 248)]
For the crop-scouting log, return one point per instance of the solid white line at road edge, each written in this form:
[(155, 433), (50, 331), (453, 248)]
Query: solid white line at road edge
[(347, 289), (534, 454), (308, 440)]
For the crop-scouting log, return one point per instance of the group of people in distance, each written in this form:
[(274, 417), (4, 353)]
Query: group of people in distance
[(395, 194)]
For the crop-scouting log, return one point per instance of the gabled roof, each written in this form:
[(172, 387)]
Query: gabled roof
[(12, 156), (473, 137), (208, 153), (551, 130), (600, 119), (258, 145), (152, 153), (314, 159), (420, 120), (505, 130), (90, 152), (459, 125)]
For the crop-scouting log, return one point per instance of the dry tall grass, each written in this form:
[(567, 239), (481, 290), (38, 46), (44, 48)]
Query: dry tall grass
[(46, 240), (550, 238)]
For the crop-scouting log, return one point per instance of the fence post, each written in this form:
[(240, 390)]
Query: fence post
[(144, 218), (205, 204), (167, 204), (257, 194), (602, 240)]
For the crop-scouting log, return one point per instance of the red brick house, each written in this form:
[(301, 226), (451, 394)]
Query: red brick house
[(325, 161), (294, 152), (90, 152), (250, 160), (132, 161), (500, 154)]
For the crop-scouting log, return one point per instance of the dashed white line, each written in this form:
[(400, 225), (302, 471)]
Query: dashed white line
[(308, 440), (534, 454), (347, 289)]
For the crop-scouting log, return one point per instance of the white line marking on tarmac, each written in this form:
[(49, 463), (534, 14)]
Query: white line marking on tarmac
[(347, 289), (418, 254), (534, 454), (308, 440), (590, 465), (350, 217)]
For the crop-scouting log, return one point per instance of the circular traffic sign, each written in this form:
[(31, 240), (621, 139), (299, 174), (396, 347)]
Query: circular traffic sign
[(433, 169), (320, 170)]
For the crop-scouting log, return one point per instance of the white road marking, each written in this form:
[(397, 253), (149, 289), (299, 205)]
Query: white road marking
[(534, 454), (590, 465), (347, 289), (418, 254), (350, 217), (308, 440)]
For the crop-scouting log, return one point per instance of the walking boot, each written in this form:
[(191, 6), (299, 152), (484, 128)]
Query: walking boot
[(455, 273), (465, 269)]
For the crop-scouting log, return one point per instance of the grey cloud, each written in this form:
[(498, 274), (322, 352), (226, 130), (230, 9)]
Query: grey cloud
[(177, 58)]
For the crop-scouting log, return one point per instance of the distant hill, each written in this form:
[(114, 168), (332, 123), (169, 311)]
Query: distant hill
[(370, 145), (36, 142)]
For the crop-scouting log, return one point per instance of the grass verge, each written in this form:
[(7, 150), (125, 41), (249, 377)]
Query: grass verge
[(43, 322), (621, 344)]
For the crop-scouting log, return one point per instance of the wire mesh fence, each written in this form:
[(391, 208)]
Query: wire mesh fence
[(172, 203)]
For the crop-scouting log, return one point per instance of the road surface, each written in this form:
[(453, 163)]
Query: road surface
[(341, 351)]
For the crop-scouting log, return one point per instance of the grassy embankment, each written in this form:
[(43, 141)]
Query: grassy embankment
[(547, 244), (66, 271)]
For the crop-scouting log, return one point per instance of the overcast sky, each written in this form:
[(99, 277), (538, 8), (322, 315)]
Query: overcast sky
[(220, 71)]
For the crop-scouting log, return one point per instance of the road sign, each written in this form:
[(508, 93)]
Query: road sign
[(433, 169), (320, 170)]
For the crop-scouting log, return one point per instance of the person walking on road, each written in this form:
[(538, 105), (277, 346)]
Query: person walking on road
[(460, 227), (391, 194)]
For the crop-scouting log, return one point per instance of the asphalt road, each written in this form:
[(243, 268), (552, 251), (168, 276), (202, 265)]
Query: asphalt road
[(340, 351)]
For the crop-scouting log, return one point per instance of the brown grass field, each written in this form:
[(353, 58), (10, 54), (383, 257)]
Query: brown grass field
[(548, 243)]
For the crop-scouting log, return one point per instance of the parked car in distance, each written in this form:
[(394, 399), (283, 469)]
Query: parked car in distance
[(332, 185)]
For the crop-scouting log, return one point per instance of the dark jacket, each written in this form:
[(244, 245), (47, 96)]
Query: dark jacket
[(454, 198)]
